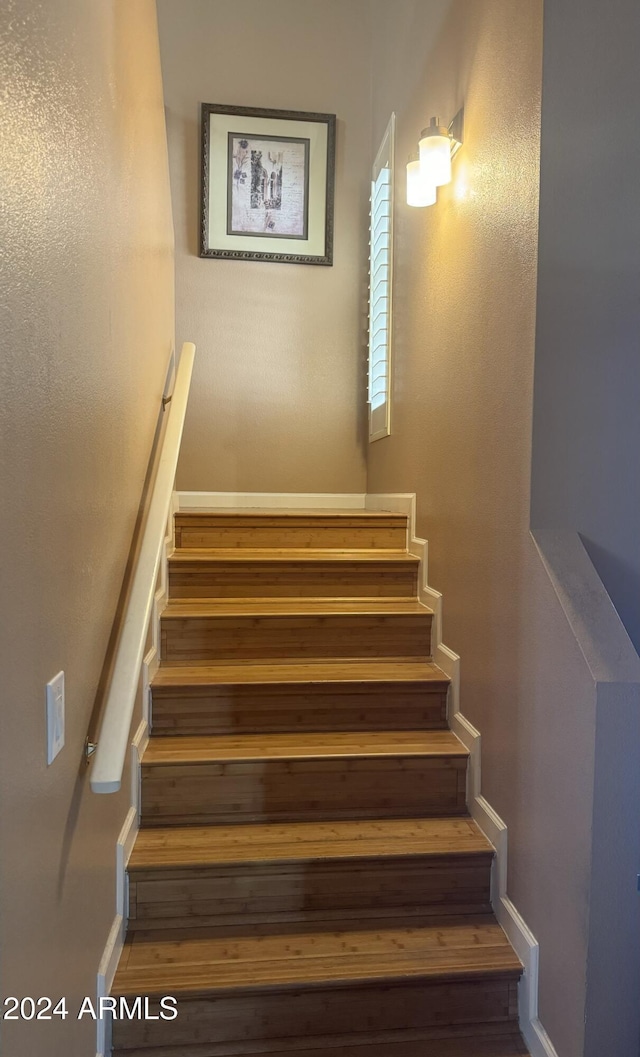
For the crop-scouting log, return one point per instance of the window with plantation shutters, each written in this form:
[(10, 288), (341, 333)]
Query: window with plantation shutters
[(380, 287)]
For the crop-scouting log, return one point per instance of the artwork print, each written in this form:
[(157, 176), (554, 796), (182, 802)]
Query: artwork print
[(267, 181), (268, 186)]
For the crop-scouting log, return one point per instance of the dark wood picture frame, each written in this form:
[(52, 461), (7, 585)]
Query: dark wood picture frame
[(270, 253)]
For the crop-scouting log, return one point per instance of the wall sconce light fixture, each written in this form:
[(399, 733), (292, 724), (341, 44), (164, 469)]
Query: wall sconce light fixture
[(419, 192), (438, 145), (435, 154)]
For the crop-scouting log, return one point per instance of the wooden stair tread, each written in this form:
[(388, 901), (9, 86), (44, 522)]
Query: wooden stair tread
[(197, 555), (295, 671), (488, 1044), (264, 747), (471, 1046), (298, 607), (258, 958), (194, 846)]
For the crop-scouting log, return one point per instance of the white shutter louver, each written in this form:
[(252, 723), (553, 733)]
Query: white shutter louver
[(380, 287)]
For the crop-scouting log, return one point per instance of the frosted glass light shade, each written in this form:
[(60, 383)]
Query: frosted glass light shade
[(435, 155), (419, 193)]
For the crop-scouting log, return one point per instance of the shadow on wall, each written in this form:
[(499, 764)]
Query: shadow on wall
[(622, 581)]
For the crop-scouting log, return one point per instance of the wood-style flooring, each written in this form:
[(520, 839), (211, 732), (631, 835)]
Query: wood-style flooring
[(307, 881)]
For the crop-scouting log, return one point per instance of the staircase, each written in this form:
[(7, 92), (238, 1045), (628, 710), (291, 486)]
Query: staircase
[(306, 881)]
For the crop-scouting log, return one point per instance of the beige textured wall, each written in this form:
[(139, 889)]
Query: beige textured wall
[(278, 390), (87, 329), (465, 298)]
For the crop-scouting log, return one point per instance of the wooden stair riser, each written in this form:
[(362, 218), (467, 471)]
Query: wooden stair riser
[(293, 579), (318, 1011), (263, 708), (348, 532), (297, 891), (302, 789), (198, 639), (488, 1040)]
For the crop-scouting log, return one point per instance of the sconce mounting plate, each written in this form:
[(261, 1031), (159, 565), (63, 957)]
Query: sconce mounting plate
[(456, 131)]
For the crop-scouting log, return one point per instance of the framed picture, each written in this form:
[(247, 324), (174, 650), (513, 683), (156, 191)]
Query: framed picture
[(267, 185)]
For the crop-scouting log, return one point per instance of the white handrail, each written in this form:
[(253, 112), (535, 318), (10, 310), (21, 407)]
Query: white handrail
[(113, 738)]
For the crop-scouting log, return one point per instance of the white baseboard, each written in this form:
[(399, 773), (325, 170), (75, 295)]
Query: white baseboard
[(124, 847), (526, 947), (150, 665), (397, 502), (115, 942), (106, 973), (129, 831), (138, 745), (111, 954), (450, 664), (520, 936), (270, 500), (127, 836), (151, 661), (536, 1038)]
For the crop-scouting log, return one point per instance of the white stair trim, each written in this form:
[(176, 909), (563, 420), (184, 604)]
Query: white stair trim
[(126, 839), (271, 500), (106, 973), (520, 936)]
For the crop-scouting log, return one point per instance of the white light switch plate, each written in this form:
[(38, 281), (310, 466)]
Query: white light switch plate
[(55, 716)]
